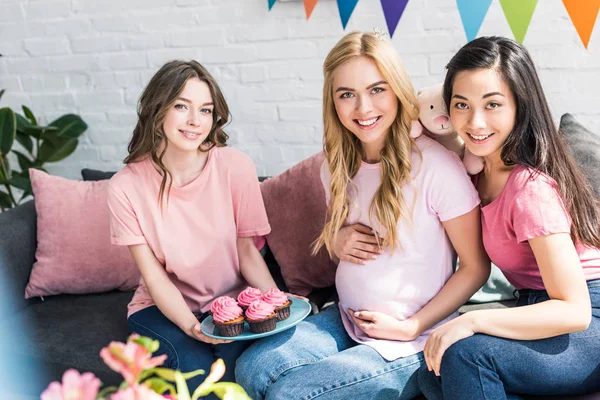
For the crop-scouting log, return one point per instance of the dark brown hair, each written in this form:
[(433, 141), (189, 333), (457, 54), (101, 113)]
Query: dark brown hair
[(534, 142), (156, 99)]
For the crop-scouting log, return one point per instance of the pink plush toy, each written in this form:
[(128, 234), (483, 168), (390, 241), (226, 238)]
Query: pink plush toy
[(434, 118)]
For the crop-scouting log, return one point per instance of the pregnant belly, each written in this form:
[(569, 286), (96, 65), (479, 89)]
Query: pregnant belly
[(376, 286)]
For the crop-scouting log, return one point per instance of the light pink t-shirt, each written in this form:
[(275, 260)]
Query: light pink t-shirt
[(402, 283), (195, 236), (528, 207)]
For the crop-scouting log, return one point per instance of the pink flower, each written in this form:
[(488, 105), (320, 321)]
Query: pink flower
[(74, 387), (130, 359), (136, 392)]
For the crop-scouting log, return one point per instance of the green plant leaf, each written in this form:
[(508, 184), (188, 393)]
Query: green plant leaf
[(182, 389), (159, 386), (24, 162), (147, 343), (20, 182), (22, 123), (8, 129), (55, 148), (106, 391), (2, 92), (8, 170), (69, 125), (169, 374), (39, 132), (26, 193), (5, 201), (25, 141), (29, 115)]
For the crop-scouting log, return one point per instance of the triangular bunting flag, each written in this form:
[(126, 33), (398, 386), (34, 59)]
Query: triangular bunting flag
[(271, 2), (309, 6), (518, 14), (393, 9), (346, 7), (583, 15), (472, 13)]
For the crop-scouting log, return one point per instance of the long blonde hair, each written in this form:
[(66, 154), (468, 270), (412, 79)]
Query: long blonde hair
[(343, 150)]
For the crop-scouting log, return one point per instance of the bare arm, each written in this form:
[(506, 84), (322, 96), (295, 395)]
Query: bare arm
[(252, 265), (465, 234), (569, 308), (165, 294)]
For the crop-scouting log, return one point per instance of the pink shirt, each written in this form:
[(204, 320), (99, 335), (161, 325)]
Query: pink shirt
[(195, 236), (402, 283), (528, 208)]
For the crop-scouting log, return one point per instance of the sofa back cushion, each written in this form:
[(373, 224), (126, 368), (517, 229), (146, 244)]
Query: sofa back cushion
[(74, 254), (296, 208)]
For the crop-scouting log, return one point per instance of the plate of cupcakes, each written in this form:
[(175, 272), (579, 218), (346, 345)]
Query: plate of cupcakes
[(253, 315)]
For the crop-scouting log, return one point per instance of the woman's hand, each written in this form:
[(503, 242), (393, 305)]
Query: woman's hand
[(197, 334), (443, 337), (356, 244), (296, 296), (382, 326)]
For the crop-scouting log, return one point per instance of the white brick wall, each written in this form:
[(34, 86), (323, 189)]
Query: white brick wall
[(94, 57)]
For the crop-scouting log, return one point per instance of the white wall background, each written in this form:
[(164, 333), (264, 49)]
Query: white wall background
[(93, 57)]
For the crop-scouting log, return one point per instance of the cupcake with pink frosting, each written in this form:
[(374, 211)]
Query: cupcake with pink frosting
[(261, 316), (247, 296), (228, 317), (281, 302)]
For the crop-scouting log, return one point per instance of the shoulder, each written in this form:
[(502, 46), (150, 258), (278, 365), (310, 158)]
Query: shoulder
[(128, 177), (232, 158), (528, 182), (435, 157)]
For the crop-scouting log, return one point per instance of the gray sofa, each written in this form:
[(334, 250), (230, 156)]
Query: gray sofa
[(40, 339)]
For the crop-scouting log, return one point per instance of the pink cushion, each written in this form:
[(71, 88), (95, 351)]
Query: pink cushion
[(74, 254), (295, 204)]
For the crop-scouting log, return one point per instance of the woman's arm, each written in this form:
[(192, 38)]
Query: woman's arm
[(165, 294), (568, 310), (252, 266)]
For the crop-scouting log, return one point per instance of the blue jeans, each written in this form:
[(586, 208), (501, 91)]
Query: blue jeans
[(184, 352), (317, 359), (489, 367)]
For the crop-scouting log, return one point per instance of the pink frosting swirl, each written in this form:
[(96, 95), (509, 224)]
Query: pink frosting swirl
[(225, 309), (274, 296), (248, 295), (258, 309)]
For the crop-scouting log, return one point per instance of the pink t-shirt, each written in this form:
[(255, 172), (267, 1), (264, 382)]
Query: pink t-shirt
[(195, 236), (529, 206), (402, 283)]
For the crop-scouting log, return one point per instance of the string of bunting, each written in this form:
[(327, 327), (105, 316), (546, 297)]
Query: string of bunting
[(518, 13)]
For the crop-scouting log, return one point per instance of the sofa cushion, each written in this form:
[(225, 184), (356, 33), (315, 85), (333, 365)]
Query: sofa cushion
[(95, 175), (62, 332), (295, 204), (74, 254), (585, 147)]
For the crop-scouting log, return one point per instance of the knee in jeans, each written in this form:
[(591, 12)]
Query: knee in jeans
[(459, 356)]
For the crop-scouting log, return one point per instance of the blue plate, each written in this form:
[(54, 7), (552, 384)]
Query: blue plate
[(298, 311)]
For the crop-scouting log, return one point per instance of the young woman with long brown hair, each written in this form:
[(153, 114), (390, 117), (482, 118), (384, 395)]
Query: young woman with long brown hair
[(418, 198), (188, 207)]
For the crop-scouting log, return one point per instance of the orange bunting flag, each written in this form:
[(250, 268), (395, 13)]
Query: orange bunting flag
[(309, 6), (583, 14)]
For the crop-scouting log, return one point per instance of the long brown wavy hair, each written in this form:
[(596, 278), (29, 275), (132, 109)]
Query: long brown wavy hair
[(534, 141), (343, 150), (149, 139)]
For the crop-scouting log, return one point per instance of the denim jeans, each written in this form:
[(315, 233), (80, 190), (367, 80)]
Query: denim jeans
[(488, 367), (317, 359), (184, 352)]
